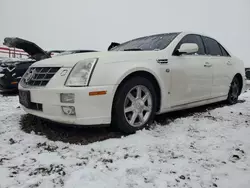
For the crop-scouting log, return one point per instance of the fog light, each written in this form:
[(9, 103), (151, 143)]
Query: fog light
[(67, 97), (69, 110)]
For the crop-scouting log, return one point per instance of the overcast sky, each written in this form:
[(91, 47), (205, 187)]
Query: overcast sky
[(93, 24)]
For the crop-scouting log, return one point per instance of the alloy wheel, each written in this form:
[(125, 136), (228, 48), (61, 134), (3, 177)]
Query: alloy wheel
[(138, 106), (234, 90)]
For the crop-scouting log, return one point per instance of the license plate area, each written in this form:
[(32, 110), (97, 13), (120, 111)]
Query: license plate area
[(24, 98)]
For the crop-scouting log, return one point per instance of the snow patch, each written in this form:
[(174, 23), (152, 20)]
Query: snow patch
[(208, 149)]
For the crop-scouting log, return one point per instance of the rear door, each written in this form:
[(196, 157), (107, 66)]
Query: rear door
[(191, 74), (229, 67), (221, 67)]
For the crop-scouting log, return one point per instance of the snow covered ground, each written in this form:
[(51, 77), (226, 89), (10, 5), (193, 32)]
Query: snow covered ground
[(208, 149)]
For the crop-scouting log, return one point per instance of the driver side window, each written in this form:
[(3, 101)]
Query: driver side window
[(192, 39)]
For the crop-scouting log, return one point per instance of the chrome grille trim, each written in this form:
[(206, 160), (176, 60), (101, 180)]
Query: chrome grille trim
[(38, 76)]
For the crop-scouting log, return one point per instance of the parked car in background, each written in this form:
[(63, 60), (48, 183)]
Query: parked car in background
[(247, 70), (69, 52), (128, 85), (54, 52), (12, 69), (112, 45)]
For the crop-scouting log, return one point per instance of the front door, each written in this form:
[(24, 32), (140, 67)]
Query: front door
[(191, 75)]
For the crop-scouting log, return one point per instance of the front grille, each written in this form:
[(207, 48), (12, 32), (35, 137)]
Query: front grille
[(39, 76)]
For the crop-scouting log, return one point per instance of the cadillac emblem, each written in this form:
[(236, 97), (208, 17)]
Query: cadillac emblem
[(29, 75)]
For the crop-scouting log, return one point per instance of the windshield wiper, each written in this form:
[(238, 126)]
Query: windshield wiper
[(133, 49)]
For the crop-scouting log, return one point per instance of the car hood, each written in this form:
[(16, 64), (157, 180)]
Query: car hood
[(31, 48), (104, 57)]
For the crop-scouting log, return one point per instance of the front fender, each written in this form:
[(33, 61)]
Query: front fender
[(115, 73)]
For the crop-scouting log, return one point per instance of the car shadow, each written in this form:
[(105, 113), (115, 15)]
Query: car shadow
[(65, 133), (82, 135), (171, 116), (9, 93)]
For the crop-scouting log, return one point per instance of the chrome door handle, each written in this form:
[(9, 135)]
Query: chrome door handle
[(229, 63), (207, 64)]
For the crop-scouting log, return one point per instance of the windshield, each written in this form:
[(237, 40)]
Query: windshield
[(148, 43)]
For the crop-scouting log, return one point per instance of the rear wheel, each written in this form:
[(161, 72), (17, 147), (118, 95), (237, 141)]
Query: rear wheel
[(135, 105), (234, 91)]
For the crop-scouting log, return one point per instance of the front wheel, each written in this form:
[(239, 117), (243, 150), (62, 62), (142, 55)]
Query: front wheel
[(234, 91), (135, 105)]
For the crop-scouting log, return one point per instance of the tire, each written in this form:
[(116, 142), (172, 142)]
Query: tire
[(234, 91), (140, 110)]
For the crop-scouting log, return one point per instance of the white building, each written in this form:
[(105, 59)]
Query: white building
[(12, 52)]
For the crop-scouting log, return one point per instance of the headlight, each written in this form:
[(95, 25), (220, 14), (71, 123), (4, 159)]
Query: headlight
[(80, 75)]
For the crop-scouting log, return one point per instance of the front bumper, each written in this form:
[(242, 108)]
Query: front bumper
[(90, 110), (8, 83)]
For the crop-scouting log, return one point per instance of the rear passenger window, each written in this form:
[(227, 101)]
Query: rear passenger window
[(212, 47), (193, 39), (224, 52)]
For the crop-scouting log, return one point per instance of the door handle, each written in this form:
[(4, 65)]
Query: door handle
[(207, 64), (229, 63)]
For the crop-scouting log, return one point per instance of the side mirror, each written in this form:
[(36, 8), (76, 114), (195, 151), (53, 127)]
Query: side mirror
[(188, 48)]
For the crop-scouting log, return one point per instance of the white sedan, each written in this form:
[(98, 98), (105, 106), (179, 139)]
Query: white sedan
[(128, 85)]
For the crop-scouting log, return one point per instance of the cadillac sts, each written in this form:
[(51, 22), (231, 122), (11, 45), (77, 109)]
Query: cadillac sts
[(132, 82)]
